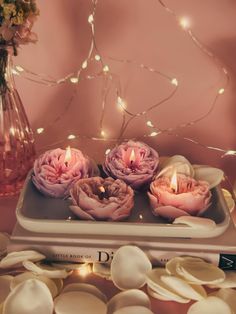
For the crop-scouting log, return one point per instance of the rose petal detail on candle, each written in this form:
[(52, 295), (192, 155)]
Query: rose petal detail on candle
[(135, 163), (193, 197), (116, 204), (54, 177)]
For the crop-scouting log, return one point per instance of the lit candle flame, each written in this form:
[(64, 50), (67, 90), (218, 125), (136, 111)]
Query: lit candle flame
[(132, 157), (174, 182), (67, 155)]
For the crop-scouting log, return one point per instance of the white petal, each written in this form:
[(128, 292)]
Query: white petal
[(128, 298), (229, 296), (158, 296), (84, 287), (79, 302), (129, 267), (103, 270), (196, 222), (229, 199), (5, 282), (200, 272), (15, 259), (172, 264), (212, 175), (38, 270), (4, 240), (30, 297), (154, 282), (133, 310), (176, 163), (210, 305), (229, 282), (19, 279), (193, 292)]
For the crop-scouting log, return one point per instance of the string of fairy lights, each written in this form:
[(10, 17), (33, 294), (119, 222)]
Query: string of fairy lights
[(112, 80)]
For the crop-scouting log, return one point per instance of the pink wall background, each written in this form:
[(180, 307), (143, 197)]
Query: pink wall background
[(143, 31)]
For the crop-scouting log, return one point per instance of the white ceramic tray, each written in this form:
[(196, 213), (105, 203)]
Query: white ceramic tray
[(38, 213)]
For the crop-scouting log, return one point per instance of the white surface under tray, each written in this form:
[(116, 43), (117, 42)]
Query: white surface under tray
[(38, 213)]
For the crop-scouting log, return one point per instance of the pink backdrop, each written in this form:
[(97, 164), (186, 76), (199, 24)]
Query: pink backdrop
[(143, 31)]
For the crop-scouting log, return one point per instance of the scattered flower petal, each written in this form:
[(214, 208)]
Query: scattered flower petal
[(210, 305), (30, 297), (19, 279), (15, 259), (193, 292), (156, 285), (129, 267), (200, 272), (133, 310), (196, 222), (51, 272), (84, 287), (128, 298), (79, 302)]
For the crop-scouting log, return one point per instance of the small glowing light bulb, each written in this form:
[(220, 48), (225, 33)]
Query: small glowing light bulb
[(91, 19), (84, 64), (230, 152), (40, 130), (71, 137), (13, 71), (107, 151), (140, 216), (221, 91), (174, 82), (106, 68), (149, 123), (121, 103), (184, 22), (103, 133), (154, 134), (74, 80), (12, 130), (19, 68), (97, 58)]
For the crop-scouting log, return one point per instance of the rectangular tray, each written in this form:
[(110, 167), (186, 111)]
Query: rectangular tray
[(38, 213)]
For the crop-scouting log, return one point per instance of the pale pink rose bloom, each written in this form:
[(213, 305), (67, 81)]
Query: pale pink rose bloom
[(193, 197), (54, 177), (90, 203), (138, 173)]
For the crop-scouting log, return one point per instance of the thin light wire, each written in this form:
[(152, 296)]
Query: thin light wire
[(112, 79)]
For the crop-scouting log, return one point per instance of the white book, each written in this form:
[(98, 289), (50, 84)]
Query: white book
[(220, 250)]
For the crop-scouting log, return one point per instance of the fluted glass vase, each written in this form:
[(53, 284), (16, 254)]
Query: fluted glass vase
[(17, 150)]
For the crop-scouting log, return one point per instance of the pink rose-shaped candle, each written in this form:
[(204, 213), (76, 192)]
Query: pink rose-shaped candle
[(179, 196), (133, 162), (102, 199), (56, 170)]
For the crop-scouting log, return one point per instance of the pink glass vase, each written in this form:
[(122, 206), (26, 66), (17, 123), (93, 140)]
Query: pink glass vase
[(17, 150)]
